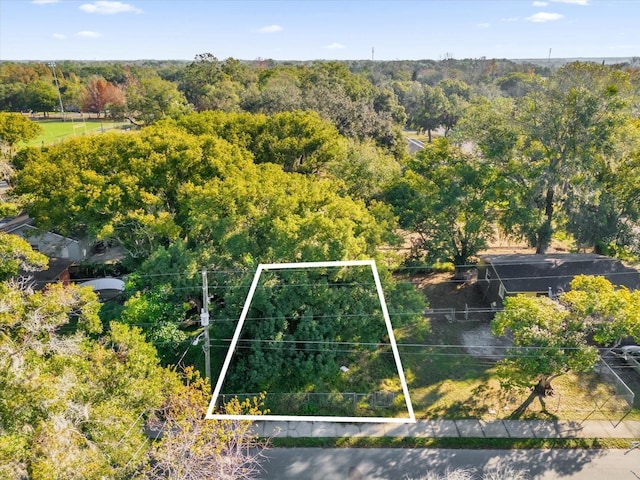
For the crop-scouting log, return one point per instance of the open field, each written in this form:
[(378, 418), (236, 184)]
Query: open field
[(56, 130)]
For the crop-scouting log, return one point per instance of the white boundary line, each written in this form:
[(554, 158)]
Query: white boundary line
[(303, 418)]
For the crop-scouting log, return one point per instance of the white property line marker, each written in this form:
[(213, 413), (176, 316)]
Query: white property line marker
[(304, 418)]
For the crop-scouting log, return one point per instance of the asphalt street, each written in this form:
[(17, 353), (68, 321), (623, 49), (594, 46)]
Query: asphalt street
[(401, 464)]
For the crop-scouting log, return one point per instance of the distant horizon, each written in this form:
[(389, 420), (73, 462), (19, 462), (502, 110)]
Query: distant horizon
[(539, 59), (323, 30)]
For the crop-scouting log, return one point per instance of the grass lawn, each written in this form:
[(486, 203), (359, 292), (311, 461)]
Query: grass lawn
[(445, 381), (57, 130)]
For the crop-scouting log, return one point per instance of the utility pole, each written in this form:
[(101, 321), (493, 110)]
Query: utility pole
[(204, 322), (55, 78)]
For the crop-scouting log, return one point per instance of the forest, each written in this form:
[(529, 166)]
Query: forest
[(229, 164)]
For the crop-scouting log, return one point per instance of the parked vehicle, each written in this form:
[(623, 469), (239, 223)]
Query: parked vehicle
[(630, 354), (627, 352)]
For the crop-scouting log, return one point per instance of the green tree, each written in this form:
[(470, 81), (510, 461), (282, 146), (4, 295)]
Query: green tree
[(606, 215), (431, 106), (13, 79), (200, 74), (16, 254), (68, 406), (553, 144), (447, 197), (151, 98), (551, 338), (277, 91), (298, 141), (271, 216), (15, 127), (365, 171), (296, 324), (75, 401), (265, 215), (458, 95), (122, 186), (40, 96), (519, 84), (161, 315)]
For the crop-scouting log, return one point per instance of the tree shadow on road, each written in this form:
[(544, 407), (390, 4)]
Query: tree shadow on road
[(315, 463)]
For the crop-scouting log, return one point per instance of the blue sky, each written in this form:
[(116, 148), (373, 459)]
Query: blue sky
[(310, 30)]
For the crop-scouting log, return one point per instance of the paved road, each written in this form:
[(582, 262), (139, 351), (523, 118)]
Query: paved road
[(400, 464), (414, 145)]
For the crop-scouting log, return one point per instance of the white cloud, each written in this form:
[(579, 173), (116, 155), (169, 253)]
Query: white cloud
[(58, 36), (540, 4), (482, 25), (544, 17), (334, 46), (88, 34), (44, 2), (104, 7), (270, 29), (575, 2), (509, 19)]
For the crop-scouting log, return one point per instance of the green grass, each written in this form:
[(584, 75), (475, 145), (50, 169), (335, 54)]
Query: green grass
[(56, 131), (446, 382)]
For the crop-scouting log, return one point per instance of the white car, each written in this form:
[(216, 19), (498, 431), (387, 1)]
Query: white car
[(629, 351), (630, 354)]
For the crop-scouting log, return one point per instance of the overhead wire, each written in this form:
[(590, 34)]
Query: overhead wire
[(395, 270)]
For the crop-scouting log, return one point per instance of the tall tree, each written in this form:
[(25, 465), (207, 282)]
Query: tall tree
[(100, 95), (551, 338), (14, 128), (122, 186), (458, 95), (553, 143), (431, 108), (200, 74), (268, 215), (40, 96), (74, 401), (298, 141), (150, 99), (448, 198)]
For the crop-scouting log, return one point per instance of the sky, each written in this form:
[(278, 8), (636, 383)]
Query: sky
[(49, 30)]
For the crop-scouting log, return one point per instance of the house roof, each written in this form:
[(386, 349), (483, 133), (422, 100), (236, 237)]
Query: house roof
[(537, 273), (57, 267), (11, 224)]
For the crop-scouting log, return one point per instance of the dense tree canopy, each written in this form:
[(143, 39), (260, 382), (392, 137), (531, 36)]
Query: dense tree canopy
[(304, 324), (17, 255), (448, 198), (74, 401), (294, 162), (150, 99), (122, 186), (554, 145)]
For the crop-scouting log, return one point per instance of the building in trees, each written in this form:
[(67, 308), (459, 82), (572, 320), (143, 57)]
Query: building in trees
[(500, 276)]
